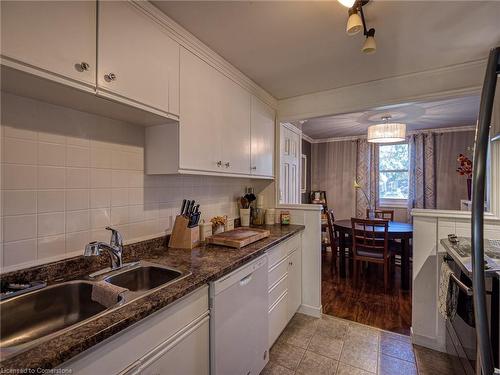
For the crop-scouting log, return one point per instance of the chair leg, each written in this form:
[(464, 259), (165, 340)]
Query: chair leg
[(355, 273), (386, 275)]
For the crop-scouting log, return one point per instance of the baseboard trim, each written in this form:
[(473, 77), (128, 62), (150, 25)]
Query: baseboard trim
[(428, 342), (314, 311)]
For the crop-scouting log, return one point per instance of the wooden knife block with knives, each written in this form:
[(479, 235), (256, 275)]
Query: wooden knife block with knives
[(186, 232)]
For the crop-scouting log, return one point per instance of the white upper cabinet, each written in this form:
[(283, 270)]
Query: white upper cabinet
[(262, 138), (137, 61), (55, 38), (214, 119)]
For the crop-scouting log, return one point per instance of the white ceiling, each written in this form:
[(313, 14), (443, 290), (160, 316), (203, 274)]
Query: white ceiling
[(292, 48), (429, 115)]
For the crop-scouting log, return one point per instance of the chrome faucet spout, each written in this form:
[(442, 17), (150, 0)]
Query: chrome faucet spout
[(114, 249)]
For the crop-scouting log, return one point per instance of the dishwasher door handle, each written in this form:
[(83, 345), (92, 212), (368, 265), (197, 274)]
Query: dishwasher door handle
[(246, 280)]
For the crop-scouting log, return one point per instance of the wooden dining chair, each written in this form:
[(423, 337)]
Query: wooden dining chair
[(381, 214), (370, 243), (332, 238)]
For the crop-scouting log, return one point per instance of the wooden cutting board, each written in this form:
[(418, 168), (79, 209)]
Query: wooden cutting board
[(238, 237)]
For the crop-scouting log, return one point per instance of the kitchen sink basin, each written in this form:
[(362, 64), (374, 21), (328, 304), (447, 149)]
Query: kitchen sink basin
[(40, 313), (144, 278)]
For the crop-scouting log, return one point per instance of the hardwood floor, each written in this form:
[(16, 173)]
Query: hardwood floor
[(367, 303)]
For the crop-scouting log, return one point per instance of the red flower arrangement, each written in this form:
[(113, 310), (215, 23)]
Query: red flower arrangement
[(465, 168)]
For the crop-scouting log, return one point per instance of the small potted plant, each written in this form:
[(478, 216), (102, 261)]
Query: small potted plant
[(218, 223), (465, 169)]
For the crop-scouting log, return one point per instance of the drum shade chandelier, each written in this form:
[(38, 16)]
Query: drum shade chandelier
[(356, 22), (387, 132)]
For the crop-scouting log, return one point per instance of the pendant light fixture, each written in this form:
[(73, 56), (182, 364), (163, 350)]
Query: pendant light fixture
[(356, 22), (387, 132), (347, 3)]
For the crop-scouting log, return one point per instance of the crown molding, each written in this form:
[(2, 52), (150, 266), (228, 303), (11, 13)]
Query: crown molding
[(196, 46), (446, 82), (307, 138), (356, 137)]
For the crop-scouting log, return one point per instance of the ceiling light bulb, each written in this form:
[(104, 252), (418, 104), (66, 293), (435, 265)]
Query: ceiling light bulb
[(347, 3), (370, 46), (354, 23)]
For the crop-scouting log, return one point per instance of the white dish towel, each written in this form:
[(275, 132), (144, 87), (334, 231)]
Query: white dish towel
[(448, 293)]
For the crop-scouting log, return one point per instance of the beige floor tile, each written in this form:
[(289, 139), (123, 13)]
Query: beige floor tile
[(332, 327), (275, 369), (394, 336), (327, 346), (356, 342), (344, 369), (396, 348), (360, 358), (315, 364), (299, 332), (393, 366), (286, 355)]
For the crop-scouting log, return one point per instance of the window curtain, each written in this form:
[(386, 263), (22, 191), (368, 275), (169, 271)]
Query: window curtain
[(422, 171), (367, 165), (334, 170)]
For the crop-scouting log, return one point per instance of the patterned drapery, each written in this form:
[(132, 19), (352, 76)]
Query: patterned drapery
[(367, 165), (422, 187)]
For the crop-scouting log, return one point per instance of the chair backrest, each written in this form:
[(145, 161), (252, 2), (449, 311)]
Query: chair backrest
[(381, 214), (330, 218), (370, 236)]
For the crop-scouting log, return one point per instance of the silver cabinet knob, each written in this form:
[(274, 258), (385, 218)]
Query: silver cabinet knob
[(253, 168), (110, 77), (227, 164), (82, 67), (219, 163)]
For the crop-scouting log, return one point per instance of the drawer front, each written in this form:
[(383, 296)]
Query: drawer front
[(278, 318), (292, 244), (277, 272), (276, 254), (277, 290)]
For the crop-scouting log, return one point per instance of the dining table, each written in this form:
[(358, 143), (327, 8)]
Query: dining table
[(396, 231)]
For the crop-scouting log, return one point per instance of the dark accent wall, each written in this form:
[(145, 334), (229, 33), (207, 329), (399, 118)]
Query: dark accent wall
[(306, 150)]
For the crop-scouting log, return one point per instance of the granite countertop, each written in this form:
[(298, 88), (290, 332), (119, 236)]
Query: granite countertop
[(206, 263)]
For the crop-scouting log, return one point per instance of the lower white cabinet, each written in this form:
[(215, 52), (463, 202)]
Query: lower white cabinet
[(174, 340), (285, 284)]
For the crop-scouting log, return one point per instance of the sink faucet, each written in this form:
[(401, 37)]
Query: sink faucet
[(114, 248)]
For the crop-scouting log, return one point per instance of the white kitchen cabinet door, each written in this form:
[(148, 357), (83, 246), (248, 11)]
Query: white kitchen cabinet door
[(262, 139), (189, 355), (290, 151), (200, 120), (278, 318), (234, 108), (58, 37), (137, 61), (294, 282)]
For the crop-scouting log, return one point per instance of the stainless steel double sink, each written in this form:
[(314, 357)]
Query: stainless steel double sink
[(29, 318)]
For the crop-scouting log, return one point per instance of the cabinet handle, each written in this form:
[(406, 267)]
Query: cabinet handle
[(219, 163), (82, 67), (254, 168), (227, 164), (110, 77)]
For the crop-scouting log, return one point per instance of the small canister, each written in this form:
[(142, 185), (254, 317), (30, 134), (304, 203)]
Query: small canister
[(285, 217), (205, 230), (270, 216)]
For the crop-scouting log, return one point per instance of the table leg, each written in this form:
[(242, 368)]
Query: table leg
[(405, 263), (342, 254)]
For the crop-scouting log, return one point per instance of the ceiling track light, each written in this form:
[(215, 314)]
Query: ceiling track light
[(356, 22)]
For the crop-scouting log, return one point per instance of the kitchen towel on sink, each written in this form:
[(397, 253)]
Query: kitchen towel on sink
[(448, 293), (106, 294)]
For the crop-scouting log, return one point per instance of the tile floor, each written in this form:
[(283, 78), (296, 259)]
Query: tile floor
[(333, 346)]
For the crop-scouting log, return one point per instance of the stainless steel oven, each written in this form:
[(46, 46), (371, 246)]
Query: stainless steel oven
[(461, 341)]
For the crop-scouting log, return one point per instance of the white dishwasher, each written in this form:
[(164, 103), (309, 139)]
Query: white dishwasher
[(239, 323)]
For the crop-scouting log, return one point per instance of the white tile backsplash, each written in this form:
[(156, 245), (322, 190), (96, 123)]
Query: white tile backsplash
[(66, 175)]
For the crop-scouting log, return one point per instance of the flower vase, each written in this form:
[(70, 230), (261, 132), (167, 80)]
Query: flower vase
[(469, 188), (218, 229)]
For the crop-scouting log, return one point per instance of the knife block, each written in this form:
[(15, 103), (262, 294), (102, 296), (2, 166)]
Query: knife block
[(183, 237)]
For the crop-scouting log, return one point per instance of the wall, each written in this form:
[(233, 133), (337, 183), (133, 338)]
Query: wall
[(66, 175), (306, 150)]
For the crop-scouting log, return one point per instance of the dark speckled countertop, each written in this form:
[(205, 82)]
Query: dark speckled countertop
[(206, 263)]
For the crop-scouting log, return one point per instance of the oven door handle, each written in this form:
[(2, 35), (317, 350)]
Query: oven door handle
[(461, 285)]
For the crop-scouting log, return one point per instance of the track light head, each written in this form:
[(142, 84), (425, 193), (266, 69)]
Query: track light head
[(354, 22), (370, 46)]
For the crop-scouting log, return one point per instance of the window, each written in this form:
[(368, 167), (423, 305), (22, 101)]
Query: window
[(393, 174)]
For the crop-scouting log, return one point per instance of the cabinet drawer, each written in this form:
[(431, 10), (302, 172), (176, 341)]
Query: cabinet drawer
[(276, 254), (292, 244), (277, 272), (278, 318), (277, 290)]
